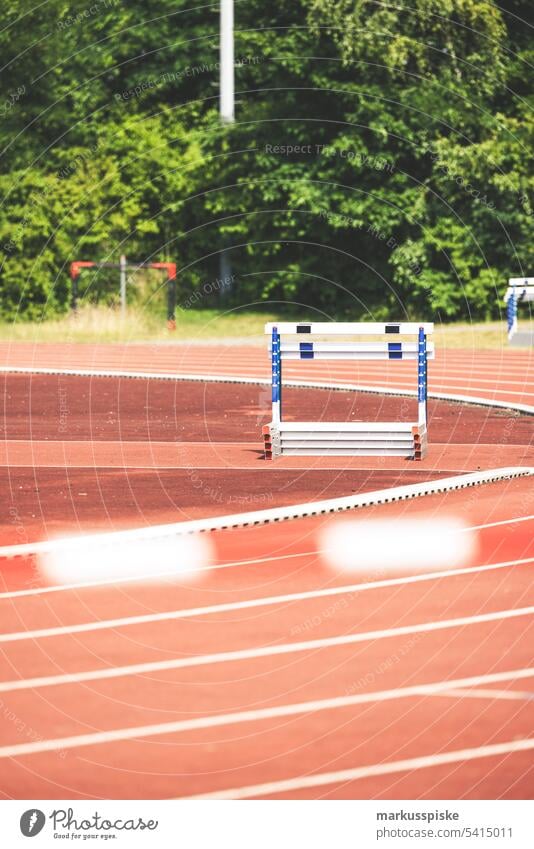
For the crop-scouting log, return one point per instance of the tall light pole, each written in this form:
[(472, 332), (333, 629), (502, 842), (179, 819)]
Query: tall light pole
[(226, 106), (227, 90)]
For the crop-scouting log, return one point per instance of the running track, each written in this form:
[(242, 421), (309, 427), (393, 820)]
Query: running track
[(270, 674), (500, 375)]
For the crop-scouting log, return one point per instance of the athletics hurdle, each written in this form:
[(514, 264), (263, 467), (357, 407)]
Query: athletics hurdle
[(520, 290), (401, 439)]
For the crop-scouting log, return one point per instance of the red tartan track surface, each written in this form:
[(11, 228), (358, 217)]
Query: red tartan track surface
[(267, 672)]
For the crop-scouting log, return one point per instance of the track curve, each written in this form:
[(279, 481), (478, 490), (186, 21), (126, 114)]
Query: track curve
[(269, 674)]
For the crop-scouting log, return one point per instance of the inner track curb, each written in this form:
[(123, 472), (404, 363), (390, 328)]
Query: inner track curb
[(277, 514), (260, 381)]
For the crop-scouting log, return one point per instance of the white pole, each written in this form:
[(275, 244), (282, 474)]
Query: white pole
[(122, 266), (226, 107), (227, 89)]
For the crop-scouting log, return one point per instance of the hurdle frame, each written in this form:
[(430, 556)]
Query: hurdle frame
[(520, 290), (348, 438)]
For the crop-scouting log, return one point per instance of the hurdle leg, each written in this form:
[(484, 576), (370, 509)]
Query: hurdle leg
[(419, 432), (271, 442), (511, 315), (271, 433), (276, 382), (171, 302), (74, 293)]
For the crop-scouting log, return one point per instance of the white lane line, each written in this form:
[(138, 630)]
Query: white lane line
[(469, 381), (257, 356), (402, 375), (392, 389), (82, 585), (442, 377), (117, 444), (259, 652), (236, 718), (288, 464), (264, 381), (276, 514), (346, 775), (480, 693), (236, 563), (248, 604), (510, 521)]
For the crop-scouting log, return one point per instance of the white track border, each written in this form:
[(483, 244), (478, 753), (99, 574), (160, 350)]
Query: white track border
[(276, 514), (261, 381), (279, 514)]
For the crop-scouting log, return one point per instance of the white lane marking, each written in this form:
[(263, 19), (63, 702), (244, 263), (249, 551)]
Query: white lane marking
[(393, 389), (347, 775), (236, 718), (254, 653), (510, 521), (276, 514), (265, 381), (133, 374), (133, 578), (443, 377), (264, 601), (480, 693)]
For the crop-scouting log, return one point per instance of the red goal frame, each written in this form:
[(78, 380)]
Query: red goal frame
[(78, 266)]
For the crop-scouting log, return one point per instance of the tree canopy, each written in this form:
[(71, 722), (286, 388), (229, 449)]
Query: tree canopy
[(380, 163)]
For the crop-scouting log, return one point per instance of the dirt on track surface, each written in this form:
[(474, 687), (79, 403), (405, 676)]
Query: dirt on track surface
[(53, 501), (42, 407)]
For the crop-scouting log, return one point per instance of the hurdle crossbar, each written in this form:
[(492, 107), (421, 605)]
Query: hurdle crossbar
[(344, 328), (350, 351), (520, 290), (402, 439)]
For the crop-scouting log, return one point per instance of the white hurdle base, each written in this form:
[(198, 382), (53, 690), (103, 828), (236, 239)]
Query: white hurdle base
[(345, 439)]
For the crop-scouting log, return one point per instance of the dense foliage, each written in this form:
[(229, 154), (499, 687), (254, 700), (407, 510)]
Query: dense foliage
[(380, 163)]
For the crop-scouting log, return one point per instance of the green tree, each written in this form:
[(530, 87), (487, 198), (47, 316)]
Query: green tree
[(380, 164)]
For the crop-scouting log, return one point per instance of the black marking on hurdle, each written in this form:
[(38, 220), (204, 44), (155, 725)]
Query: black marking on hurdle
[(392, 328), (303, 328)]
